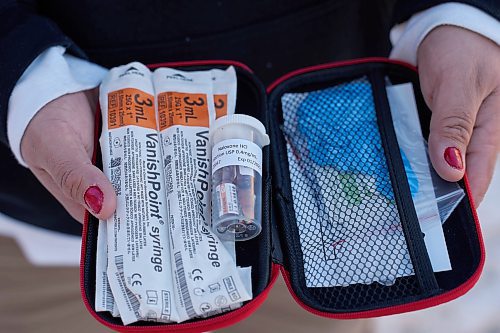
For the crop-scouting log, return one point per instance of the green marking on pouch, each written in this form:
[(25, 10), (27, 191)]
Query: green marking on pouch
[(350, 188)]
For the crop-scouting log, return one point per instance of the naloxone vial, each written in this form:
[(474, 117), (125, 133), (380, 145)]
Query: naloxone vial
[(237, 176)]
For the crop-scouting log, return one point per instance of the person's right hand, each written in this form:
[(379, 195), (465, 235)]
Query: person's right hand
[(460, 80), (58, 145)]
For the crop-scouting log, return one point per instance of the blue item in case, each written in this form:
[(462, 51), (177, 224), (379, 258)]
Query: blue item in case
[(349, 111)]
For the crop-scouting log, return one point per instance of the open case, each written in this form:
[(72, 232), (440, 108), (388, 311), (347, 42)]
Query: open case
[(286, 200)]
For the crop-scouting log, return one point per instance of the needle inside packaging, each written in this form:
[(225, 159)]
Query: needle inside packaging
[(160, 257)]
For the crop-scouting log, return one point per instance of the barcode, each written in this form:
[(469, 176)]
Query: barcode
[(119, 263), (132, 300), (188, 304), (109, 295), (116, 179), (110, 301), (227, 199), (233, 203)]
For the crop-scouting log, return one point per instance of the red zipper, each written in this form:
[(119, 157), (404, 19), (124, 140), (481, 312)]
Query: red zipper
[(201, 63), (334, 65), (417, 305), (409, 307)]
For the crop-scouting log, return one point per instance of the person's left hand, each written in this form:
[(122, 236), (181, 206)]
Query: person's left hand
[(57, 146), (460, 80)]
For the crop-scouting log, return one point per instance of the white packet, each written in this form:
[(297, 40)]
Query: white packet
[(206, 275), (224, 87), (138, 250), (104, 300), (224, 91), (115, 313), (419, 172)]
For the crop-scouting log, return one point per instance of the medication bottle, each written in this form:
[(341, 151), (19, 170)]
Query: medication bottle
[(237, 176)]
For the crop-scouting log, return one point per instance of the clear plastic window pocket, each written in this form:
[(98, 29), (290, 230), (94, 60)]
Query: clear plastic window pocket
[(369, 224), (345, 204), (352, 213)]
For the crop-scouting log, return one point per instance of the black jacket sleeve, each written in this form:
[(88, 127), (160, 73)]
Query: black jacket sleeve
[(406, 8), (23, 36)]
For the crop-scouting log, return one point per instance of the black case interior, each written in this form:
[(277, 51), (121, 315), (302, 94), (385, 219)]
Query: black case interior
[(279, 239), (460, 230)]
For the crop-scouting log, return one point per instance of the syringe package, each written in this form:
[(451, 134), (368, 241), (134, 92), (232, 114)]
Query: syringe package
[(333, 188)]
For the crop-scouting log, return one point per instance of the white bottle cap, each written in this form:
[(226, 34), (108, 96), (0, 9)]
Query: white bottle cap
[(242, 120)]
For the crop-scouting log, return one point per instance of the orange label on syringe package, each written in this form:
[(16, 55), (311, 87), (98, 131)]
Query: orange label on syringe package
[(176, 108), (131, 107), (220, 102)]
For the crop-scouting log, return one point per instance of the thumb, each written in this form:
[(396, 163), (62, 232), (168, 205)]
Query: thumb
[(79, 180), (454, 110)]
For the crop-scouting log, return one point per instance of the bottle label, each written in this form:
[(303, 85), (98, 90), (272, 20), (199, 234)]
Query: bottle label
[(227, 199), (240, 152)]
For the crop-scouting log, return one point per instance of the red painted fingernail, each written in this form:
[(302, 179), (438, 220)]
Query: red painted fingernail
[(454, 158), (93, 198)]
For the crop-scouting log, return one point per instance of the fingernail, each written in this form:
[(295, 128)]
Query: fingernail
[(93, 198), (454, 158)]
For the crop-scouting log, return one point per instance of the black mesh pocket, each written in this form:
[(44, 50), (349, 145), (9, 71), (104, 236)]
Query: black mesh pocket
[(352, 243)]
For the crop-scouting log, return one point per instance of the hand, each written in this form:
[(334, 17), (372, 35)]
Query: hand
[(57, 146), (460, 80)]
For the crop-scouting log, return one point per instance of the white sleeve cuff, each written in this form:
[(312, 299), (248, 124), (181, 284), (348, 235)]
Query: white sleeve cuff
[(406, 37), (51, 75)]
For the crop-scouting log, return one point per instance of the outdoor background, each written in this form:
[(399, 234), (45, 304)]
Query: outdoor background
[(476, 312)]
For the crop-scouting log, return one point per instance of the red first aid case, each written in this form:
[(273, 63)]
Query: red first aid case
[(278, 249)]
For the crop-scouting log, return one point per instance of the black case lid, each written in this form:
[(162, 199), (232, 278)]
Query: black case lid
[(461, 230)]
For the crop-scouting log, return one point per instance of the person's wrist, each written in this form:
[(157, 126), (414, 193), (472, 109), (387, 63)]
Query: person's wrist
[(51, 75), (407, 36)]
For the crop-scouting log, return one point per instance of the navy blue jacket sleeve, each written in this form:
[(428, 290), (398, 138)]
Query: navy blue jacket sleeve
[(406, 8), (23, 36)]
